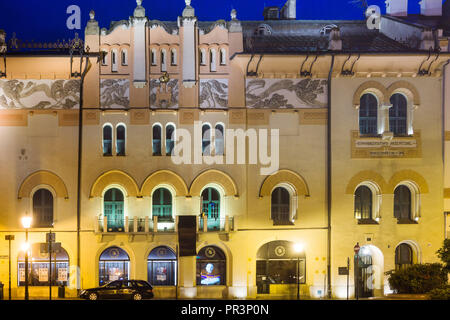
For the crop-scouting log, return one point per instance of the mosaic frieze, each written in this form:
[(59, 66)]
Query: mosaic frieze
[(214, 93), (286, 93), (114, 93), (39, 94), (164, 96)]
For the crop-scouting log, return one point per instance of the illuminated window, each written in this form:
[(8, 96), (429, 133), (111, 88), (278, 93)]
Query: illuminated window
[(107, 140), (120, 140), (398, 115), (363, 203), (280, 206), (114, 264), (210, 200), (157, 140), (368, 114), (113, 209), (211, 267), (162, 205), (42, 209), (162, 266), (39, 266)]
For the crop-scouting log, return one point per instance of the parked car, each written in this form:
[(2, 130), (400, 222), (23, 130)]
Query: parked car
[(120, 289)]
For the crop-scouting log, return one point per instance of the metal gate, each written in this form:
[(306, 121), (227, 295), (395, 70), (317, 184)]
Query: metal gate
[(364, 277)]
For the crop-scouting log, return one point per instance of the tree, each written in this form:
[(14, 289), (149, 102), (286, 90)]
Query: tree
[(444, 254)]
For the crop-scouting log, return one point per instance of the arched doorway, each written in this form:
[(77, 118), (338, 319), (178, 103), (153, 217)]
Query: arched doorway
[(162, 266), (369, 272), (114, 264), (277, 265)]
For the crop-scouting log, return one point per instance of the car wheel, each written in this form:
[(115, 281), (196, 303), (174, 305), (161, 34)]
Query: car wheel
[(93, 296), (137, 296)]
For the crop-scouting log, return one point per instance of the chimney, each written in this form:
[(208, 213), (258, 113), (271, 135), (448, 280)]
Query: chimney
[(289, 10), (398, 8), (431, 7)]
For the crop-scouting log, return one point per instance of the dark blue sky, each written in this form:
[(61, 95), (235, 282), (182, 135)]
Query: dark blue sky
[(42, 20)]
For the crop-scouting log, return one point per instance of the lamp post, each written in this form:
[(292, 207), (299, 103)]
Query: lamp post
[(9, 238), (356, 249), (298, 249), (26, 223)]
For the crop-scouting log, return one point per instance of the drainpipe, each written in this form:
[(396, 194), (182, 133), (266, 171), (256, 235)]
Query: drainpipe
[(329, 191), (444, 78)]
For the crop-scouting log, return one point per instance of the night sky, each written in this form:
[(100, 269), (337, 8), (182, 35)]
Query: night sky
[(45, 20)]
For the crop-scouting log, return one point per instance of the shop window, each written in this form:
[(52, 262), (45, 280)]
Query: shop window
[(114, 264), (162, 266), (211, 267)]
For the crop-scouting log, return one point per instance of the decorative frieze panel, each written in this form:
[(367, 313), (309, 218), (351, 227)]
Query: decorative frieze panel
[(214, 93), (114, 93), (164, 95), (286, 93), (376, 147), (39, 94)]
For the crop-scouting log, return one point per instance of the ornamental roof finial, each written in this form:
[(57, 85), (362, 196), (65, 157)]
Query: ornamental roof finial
[(92, 14)]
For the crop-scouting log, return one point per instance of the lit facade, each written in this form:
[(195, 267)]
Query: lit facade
[(362, 119)]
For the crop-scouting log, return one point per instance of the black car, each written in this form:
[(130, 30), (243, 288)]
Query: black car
[(120, 289)]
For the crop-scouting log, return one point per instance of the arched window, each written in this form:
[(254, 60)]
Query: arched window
[(124, 57), (170, 139), (113, 209), (153, 57), (398, 114), (105, 57), (278, 264), (219, 140), (107, 140), (402, 204), (403, 256), (39, 266), (363, 203), (210, 199), (368, 114), (173, 57), (211, 267), (120, 140), (114, 264), (162, 205), (114, 60), (42, 209), (162, 266), (223, 56), (212, 60), (157, 140), (280, 209), (206, 139), (163, 60), (203, 57)]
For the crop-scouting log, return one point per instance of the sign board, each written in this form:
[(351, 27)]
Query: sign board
[(9, 237), (51, 237), (343, 271), (56, 247)]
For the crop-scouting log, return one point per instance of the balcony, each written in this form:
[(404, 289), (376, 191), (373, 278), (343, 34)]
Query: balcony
[(215, 225)]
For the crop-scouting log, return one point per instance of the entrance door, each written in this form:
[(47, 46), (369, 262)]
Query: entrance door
[(211, 207), (365, 277)]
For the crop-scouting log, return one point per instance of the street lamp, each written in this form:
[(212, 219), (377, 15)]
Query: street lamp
[(298, 249), (26, 223)]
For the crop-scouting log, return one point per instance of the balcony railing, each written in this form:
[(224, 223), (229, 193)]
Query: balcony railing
[(148, 225)]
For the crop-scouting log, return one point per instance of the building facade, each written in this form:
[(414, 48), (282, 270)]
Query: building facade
[(275, 135)]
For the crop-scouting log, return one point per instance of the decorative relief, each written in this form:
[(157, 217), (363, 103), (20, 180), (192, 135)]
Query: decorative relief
[(114, 93), (286, 93), (214, 93), (39, 94), (376, 147), (164, 95)]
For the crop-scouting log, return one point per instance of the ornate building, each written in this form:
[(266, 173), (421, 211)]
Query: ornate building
[(354, 119)]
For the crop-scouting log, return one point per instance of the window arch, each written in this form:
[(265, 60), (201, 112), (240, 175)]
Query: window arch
[(114, 264), (402, 204), (170, 139), (211, 267), (120, 140), (398, 114), (107, 140), (162, 205), (162, 266), (40, 267), (157, 139), (219, 140), (42, 208), (206, 139), (363, 203), (210, 199), (403, 256), (113, 202), (368, 114), (280, 206)]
